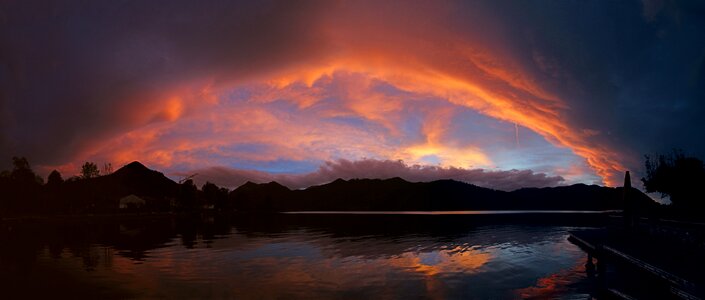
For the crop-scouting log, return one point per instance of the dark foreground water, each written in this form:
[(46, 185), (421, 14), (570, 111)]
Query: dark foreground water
[(289, 256)]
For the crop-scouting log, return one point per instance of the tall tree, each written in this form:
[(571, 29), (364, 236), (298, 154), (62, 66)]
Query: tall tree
[(107, 168), (21, 171), (187, 198), (54, 178), (678, 176), (210, 193), (21, 189), (89, 170)]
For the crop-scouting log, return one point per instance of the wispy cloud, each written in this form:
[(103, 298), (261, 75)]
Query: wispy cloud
[(116, 82)]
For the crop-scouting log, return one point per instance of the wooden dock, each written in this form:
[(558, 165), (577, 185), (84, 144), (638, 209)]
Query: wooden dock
[(644, 264)]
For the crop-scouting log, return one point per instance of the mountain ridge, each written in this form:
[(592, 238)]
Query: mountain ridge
[(103, 194), (399, 194)]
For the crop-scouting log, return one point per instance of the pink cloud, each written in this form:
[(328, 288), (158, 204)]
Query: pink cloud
[(371, 168), (139, 90)]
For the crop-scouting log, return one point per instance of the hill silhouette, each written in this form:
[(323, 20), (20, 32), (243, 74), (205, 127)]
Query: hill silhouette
[(399, 194), (264, 196), (135, 178), (102, 194)]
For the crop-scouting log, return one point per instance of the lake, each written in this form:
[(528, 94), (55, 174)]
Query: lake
[(298, 256)]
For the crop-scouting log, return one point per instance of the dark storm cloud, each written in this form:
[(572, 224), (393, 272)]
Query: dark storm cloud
[(75, 72), (633, 73)]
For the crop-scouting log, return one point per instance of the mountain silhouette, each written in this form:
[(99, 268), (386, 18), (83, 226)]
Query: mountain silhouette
[(253, 196), (155, 192), (399, 194), (135, 178), (102, 194)]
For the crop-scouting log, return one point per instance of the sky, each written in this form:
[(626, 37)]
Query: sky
[(502, 94)]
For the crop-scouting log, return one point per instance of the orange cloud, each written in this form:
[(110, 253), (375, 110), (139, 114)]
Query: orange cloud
[(472, 69), (413, 47), (528, 106)]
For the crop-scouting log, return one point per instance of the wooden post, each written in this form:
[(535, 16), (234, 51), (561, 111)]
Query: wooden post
[(590, 266)]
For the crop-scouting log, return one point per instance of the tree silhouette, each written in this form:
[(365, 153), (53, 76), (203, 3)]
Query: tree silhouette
[(89, 170), (20, 163), (107, 168), (210, 193), (21, 171), (54, 178), (21, 188), (187, 198), (53, 200), (214, 195), (222, 202), (678, 176)]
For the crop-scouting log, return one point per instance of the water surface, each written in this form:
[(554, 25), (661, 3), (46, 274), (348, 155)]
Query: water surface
[(448, 212), (291, 256)]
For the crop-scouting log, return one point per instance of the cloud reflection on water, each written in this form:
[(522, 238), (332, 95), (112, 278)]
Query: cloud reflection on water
[(292, 257)]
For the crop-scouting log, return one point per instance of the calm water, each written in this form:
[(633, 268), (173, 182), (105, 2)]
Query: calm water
[(297, 256)]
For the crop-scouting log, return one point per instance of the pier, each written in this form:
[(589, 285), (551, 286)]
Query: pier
[(641, 258)]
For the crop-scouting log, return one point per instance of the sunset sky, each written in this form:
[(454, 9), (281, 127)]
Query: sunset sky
[(502, 94)]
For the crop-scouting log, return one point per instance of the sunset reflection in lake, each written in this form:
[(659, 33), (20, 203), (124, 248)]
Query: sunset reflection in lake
[(278, 256)]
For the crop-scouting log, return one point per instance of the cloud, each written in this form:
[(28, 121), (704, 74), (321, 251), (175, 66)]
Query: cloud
[(131, 80), (81, 73), (382, 169)]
